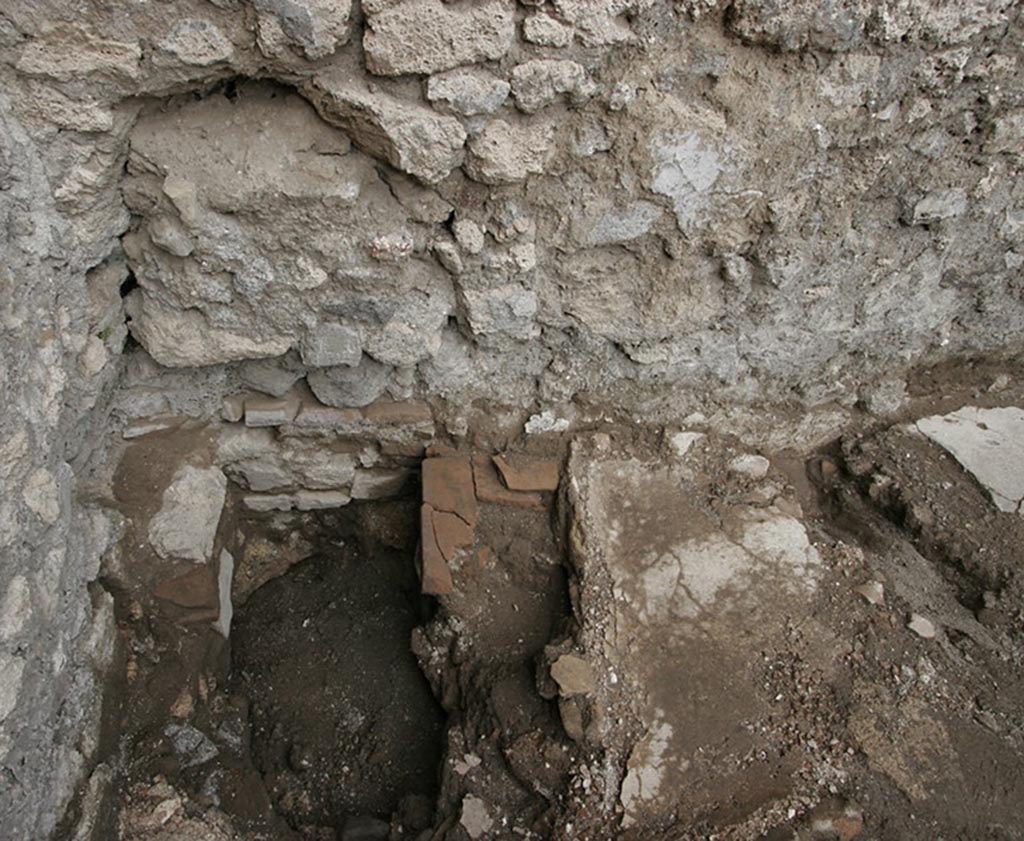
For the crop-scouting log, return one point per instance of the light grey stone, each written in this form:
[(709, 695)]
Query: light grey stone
[(475, 818), (939, 205), (186, 524), (469, 235), (467, 91), (428, 36), (12, 669), (271, 376), (350, 387), (509, 309), (170, 235), (225, 574), (378, 484), (538, 83), (332, 344), (544, 31), (16, 608), (750, 465), (411, 138), (989, 443), (197, 42), (317, 27), (616, 225), (922, 626), (504, 153)]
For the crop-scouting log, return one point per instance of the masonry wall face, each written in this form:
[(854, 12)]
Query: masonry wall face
[(638, 203)]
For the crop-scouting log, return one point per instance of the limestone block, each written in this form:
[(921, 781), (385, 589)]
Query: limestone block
[(186, 524), (428, 36)]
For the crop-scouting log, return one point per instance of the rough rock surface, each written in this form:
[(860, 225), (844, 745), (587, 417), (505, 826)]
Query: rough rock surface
[(725, 205)]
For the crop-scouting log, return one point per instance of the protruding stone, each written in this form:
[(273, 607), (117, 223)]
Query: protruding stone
[(197, 42), (922, 626), (750, 465), (186, 524), (378, 484), (475, 818), (467, 91), (538, 83), (272, 411), (347, 386), (332, 344), (504, 153), (317, 27), (544, 31), (410, 137), (939, 205), (469, 235), (873, 592), (428, 36), (573, 674)]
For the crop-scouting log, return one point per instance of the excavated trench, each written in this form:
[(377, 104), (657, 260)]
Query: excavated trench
[(345, 728)]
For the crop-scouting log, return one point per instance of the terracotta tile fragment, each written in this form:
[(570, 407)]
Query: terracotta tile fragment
[(435, 576), (490, 489), (450, 534), (448, 486), (523, 474)]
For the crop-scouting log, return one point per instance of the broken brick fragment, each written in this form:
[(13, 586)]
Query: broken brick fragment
[(489, 487), (448, 486), (522, 474), (435, 576)]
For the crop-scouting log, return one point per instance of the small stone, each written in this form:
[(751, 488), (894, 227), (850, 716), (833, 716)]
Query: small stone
[(924, 628), (317, 27), (378, 484), (939, 205), (521, 474), (16, 610), (233, 408), (347, 387), (170, 235), (545, 31), (872, 591), (427, 36), (271, 411), (545, 422), (332, 344), (504, 154), (469, 235), (475, 818), (318, 500), (12, 668), (271, 376), (574, 675), (141, 427), (538, 83), (682, 442), (754, 466), (412, 138), (468, 92), (197, 42), (225, 575)]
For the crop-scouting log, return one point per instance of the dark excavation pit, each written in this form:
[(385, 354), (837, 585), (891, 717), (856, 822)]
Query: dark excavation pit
[(344, 725)]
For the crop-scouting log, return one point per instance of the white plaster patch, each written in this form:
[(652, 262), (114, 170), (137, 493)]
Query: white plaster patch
[(989, 443)]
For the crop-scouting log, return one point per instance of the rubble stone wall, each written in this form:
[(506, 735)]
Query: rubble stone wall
[(639, 203)]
